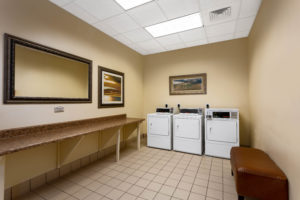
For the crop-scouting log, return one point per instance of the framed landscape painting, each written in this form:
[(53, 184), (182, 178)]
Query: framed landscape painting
[(110, 88), (187, 84)]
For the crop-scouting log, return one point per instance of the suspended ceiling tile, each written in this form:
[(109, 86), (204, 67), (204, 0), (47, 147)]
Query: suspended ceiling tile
[(106, 28), (150, 45), (169, 40), (220, 38), (147, 14), (175, 46), (123, 39), (249, 8), (245, 24), (121, 23), (177, 8), (138, 35), (196, 43), (79, 12), (209, 4), (101, 9), (220, 29), (61, 2), (241, 34), (192, 35)]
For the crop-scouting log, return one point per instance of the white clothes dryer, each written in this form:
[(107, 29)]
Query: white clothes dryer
[(159, 128), (221, 131), (187, 130)]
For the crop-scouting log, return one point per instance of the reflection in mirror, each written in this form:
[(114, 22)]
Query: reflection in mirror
[(39, 74)]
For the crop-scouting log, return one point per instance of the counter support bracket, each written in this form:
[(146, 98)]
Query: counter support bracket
[(2, 177), (118, 144)]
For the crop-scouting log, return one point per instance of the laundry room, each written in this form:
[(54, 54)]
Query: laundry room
[(149, 99)]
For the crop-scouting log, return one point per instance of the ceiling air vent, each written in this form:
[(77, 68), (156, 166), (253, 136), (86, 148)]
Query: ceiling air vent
[(220, 14)]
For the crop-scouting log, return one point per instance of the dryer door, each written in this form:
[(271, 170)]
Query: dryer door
[(189, 128), (221, 130), (159, 125)]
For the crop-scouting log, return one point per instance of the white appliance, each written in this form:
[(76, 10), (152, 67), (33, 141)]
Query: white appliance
[(159, 128), (221, 131), (187, 130)]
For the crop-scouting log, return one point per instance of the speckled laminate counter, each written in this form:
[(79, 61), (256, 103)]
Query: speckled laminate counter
[(13, 140)]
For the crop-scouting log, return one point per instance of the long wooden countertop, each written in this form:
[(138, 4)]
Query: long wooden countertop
[(13, 140)]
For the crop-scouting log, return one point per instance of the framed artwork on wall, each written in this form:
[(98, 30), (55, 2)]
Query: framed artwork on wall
[(110, 88), (187, 84)]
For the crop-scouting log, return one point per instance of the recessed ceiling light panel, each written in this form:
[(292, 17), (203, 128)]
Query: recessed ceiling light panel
[(127, 4), (176, 25)]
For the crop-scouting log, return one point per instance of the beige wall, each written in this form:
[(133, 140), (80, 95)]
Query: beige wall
[(44, 23), (227, 78), (274, 50)]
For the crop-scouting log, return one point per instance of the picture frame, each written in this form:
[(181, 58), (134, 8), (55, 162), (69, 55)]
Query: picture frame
[(110, 88), (190, 84)]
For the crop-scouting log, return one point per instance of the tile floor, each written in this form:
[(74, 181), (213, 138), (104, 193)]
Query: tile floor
[(144, 175)]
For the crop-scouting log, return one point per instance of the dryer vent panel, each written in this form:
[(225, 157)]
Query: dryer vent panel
[(220, 14)]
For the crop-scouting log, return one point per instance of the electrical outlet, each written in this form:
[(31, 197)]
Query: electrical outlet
[(58, 109)]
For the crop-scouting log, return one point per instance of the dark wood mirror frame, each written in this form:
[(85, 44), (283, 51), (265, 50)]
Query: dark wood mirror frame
[(9, 73)]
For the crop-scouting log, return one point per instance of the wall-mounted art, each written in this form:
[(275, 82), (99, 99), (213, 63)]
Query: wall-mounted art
[(187, 84), (110, 88)]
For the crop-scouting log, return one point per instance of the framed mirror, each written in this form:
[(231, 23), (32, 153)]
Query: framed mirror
[(34, 73)]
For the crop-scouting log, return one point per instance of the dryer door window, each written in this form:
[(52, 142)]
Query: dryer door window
[(159, 125), (222, 130), (187, 128)]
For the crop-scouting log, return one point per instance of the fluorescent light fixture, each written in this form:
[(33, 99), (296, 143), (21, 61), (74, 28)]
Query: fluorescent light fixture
[(176, 25), (127, 4)]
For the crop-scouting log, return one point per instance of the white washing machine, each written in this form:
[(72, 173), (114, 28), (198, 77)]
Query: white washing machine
[(159, 128), (187, 130), (221, 131)]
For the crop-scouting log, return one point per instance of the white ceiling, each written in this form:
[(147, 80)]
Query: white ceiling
[(128, 27)]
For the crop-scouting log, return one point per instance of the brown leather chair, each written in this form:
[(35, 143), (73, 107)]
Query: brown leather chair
[(256, 175)]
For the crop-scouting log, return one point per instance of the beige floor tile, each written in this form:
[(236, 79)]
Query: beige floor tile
[(215, 186), (138, 173), (104, 179), (171, 182), (114, 182), (214, 194), (154, 186), (148, 176), (68, 187), (127, 196), (160, 179), (148, 194), (181, 194), (142, 183), (82, 193), (132, 179), (201, 182), (104, 189), (168, 190), (94, 185), (199, 189), (160, 196), (195, 196), (216, 179), (114, 194), (135, 190), (228, 196), (185, 186), (124, 186), (187, 179), (94, 196), (229, 189), (122, 176)]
